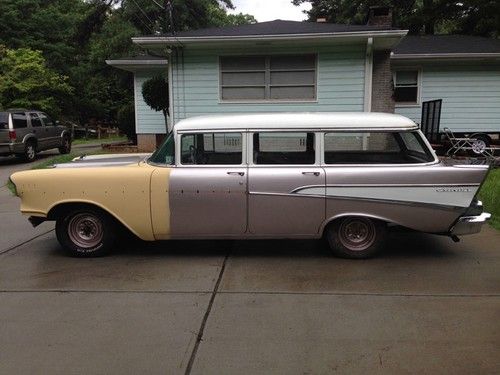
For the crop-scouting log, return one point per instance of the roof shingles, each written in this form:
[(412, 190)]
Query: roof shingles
[(446, 44)]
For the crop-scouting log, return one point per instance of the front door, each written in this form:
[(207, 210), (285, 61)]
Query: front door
[(208, 187), (286, 185), (51, 130)]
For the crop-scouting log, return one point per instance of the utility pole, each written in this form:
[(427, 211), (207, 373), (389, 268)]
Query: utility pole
[(169, 21)]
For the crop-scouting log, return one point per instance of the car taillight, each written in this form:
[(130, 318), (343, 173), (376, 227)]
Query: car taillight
[(12, 135)]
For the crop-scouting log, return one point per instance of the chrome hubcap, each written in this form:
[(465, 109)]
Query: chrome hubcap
[(30, 151), (357, 234), (478, 146), (85, 230)]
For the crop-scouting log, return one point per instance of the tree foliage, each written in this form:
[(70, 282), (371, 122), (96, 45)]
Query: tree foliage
[(155, 94), (26, 81), (56, 50), (473, 17)]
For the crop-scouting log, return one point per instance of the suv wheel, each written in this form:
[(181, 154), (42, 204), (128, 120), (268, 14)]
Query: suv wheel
[(86, 232), (66, 145), (29, 151), (356, 237)]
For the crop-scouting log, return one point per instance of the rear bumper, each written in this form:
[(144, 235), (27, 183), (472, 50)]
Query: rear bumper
[(469, 224), (11, 148)]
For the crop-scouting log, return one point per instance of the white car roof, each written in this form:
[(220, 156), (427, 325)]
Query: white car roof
[(299, 120)]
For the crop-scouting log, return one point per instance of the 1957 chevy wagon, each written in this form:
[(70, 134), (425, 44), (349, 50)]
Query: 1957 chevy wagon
[(345, 176)]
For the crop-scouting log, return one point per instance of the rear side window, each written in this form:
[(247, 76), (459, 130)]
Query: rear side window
[(375, 148), (211, 149), (4, 120), (35, 120), (283, 148), (19, 120)]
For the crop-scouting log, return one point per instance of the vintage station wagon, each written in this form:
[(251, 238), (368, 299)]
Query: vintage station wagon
[(345, 176)]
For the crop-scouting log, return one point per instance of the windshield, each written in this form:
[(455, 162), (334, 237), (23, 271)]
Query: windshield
[(165, 154)]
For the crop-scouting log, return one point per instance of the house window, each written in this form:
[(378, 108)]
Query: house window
[(278, 77), (406, 86)]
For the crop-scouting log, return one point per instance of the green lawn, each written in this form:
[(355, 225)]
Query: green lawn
[(83, 141), (490, 195)]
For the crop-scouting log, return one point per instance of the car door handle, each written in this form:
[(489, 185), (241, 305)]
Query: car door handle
[(236, 173), (312, 173)]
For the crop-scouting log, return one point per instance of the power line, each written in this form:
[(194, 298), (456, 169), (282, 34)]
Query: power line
[(143, 12), (161, 6)]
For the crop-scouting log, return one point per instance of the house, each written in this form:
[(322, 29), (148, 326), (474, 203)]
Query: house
[(306, 66), (463, 71), (150, 124)]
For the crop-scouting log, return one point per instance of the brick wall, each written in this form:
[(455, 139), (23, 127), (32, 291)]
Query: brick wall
[(146, 142), (382, 91), (149, 142)]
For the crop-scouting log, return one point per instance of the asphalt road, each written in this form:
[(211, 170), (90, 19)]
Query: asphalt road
[(426, 305)]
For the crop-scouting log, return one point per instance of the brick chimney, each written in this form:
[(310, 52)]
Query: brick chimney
[(380, 16)]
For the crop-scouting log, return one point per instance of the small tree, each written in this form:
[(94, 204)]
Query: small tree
[(155, 94), (126, 121)]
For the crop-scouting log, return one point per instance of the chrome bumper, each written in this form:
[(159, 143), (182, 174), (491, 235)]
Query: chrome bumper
[(469, 224)]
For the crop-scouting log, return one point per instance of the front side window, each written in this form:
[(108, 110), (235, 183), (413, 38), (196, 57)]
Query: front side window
[(276, 77), (211, 149), (282, 148), (375, 148), (406, 87), (47, 120), (165, 154)]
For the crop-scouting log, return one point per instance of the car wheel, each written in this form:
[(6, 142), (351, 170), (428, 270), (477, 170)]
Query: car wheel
[(356, 237), (86, 232), (29, 151), (66, 145), (480, 144)]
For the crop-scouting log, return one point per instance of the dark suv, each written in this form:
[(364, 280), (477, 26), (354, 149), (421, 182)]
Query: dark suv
[(24, 133)]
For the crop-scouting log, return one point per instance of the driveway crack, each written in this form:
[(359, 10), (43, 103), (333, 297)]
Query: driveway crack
[(199, 337)]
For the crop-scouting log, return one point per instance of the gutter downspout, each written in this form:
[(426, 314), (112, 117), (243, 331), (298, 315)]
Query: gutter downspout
[(368, 75), (170, 93)]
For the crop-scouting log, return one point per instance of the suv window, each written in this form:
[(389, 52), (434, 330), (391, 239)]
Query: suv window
[(4, 120), (375, 148), (211, 149), (35, 120), (47, 121), (19, 120), (283, 148)]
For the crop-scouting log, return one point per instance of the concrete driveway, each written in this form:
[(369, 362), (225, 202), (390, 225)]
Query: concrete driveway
[(426, 305)]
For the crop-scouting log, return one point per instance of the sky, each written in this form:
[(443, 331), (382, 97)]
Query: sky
[(268, 10)]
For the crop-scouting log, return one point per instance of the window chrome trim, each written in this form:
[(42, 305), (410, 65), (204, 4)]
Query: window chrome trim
[(178, 140)]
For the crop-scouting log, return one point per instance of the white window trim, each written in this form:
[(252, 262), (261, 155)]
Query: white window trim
[(419, 87), (268, 101)]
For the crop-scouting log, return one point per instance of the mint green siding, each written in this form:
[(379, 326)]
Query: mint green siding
[(470, 93), (147, 120), (195, 81)]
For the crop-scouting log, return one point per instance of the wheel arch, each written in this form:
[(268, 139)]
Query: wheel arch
[(60, 208), (334, 218), (30, 138)]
